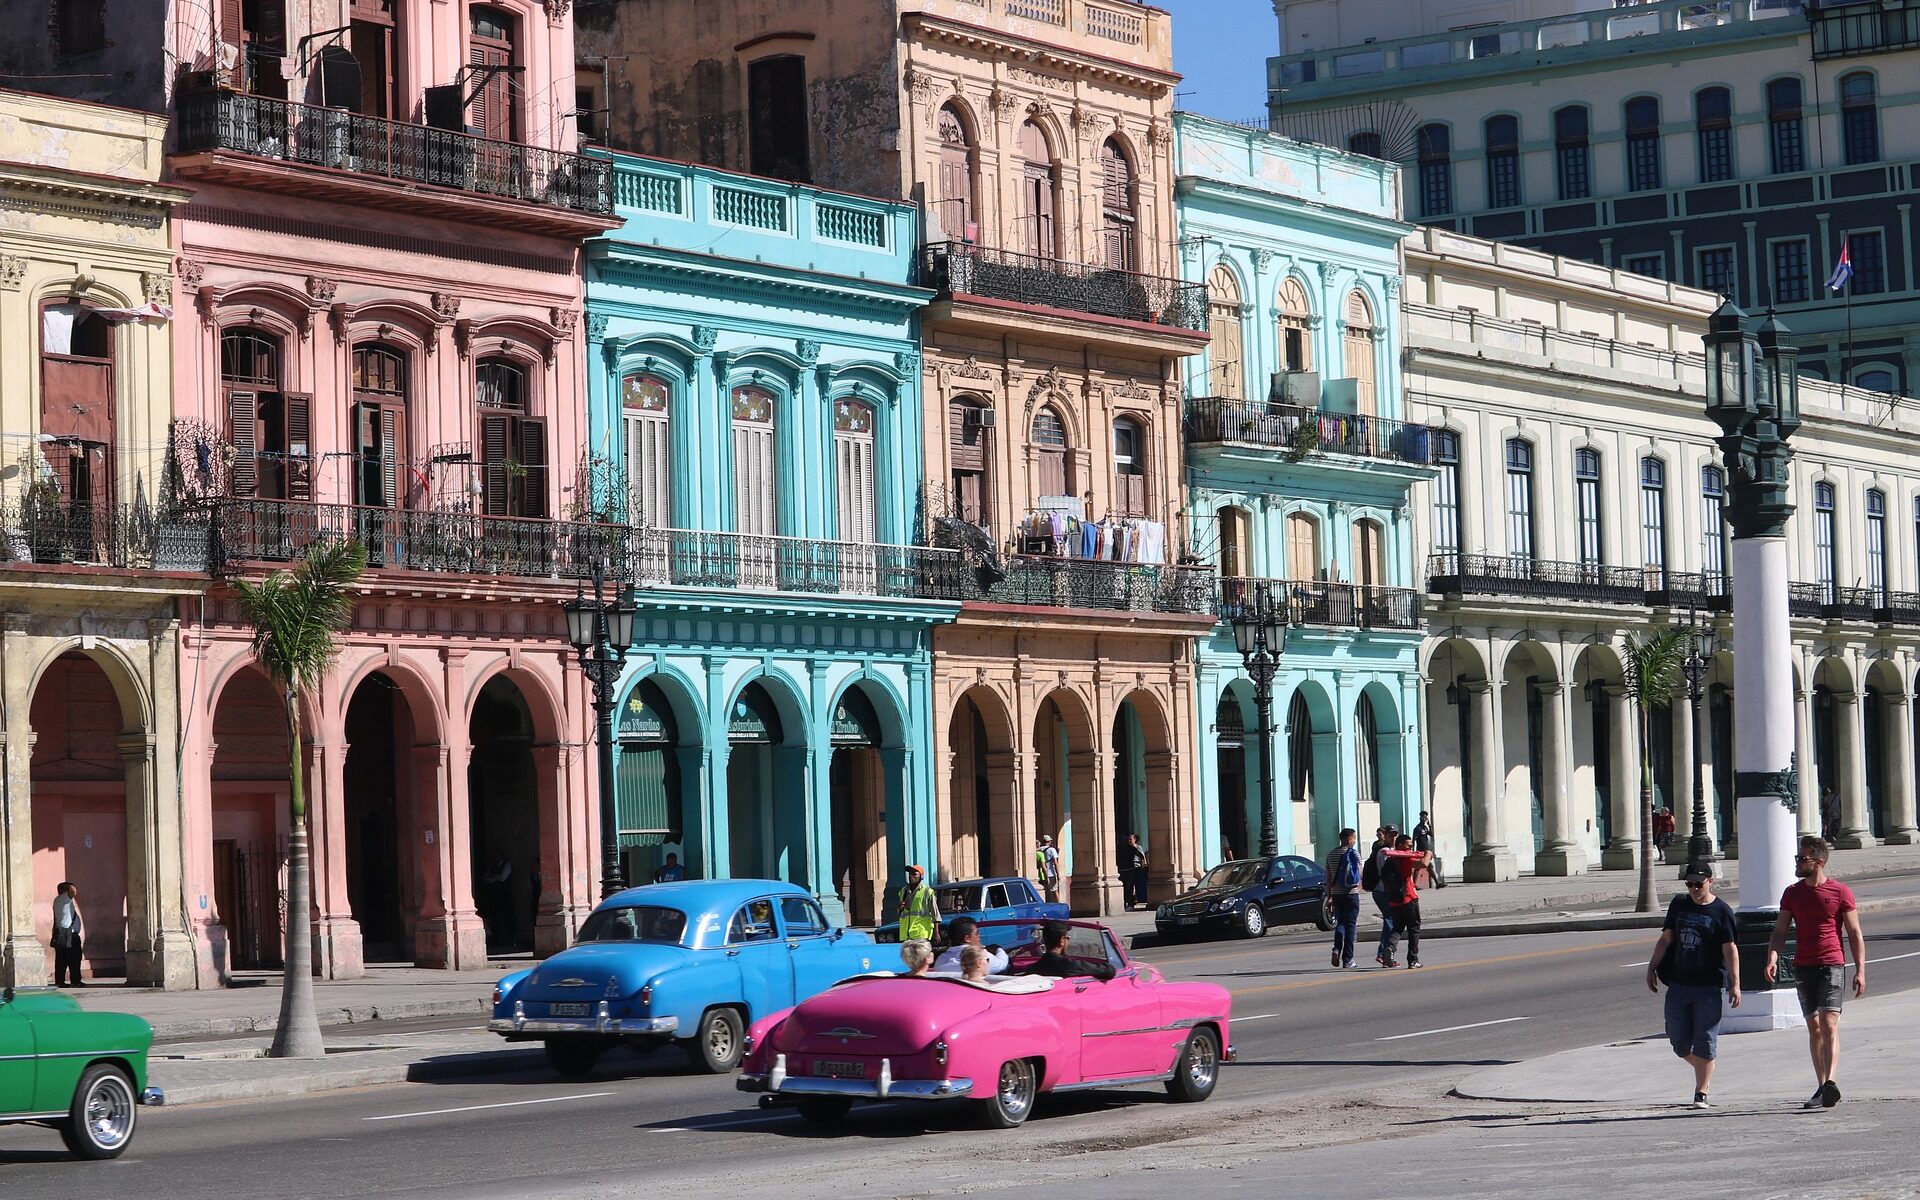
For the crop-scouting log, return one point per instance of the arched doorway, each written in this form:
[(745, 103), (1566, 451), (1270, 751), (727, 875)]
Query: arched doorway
[(857, 802), (980, 789), (651, 809), (1597, 787), (766, 813), (503, 800), (1883, 680), (1143, 793), (80, 808), (1313, 770), (1829, 677), (1529, 672), (1451, 668), (1233, 769), (1064, 797), (1379, 760), (384, 887), (249, 786)]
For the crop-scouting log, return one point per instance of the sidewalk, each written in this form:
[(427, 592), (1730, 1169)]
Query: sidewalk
[(1877, 1044)]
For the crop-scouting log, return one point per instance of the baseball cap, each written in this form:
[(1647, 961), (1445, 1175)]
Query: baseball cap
[(915, 869), (1046, 839), (1699, 870)]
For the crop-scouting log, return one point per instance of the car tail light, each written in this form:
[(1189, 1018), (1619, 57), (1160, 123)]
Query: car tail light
[(498, 994), (646, 997), (940, 1053)]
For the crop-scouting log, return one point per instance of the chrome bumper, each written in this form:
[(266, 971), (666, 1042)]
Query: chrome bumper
[(601, 1022), (153, 1096), (777, 1082)]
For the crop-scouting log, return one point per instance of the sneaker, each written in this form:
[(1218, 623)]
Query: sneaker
[(1389, 964), (1700, 1100), (1829, 1094), (1412, 963), (1347, 965), (1336, 958), (1818, 1099)]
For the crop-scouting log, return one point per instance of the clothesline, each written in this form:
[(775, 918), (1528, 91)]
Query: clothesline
[(1112, 539)]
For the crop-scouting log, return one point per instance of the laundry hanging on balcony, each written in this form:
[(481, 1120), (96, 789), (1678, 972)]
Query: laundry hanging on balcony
[(1115, 539)]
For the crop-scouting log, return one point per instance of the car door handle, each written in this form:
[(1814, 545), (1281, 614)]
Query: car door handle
[(733, 954), (1080, 987)]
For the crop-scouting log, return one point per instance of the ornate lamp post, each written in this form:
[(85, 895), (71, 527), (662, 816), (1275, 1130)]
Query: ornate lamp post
[(601, 632), (1753, 394), (1260, 634), (1699, 663)]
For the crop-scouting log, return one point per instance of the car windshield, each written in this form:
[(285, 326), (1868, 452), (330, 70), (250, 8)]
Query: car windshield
[(635, 923), (957, 899), (1231, 875)]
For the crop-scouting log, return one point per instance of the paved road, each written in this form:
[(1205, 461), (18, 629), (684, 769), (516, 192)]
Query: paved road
[(1310, 1039)]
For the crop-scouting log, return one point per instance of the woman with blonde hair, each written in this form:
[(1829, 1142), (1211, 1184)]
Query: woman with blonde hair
[(917, 953)]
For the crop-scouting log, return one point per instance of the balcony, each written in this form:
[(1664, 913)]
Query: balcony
[(1045, 581), (59, 534), (1534, 578), (746, 562), (1298, 431), (494, 182), (1688, 589), (1827, 602), (1327, 605), (1877, 29), (1900, 608), (959, 269)]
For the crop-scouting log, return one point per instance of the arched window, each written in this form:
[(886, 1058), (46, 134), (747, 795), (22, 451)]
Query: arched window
[(493, 112), (1236, 561), (264, 421), (1050, 452), (1296, 327), (1366, 752), (1300, 763), (1225, 352), (1446, 498), (1502, 136), (1859, 118), (77, 407), (1037, 187), (1369, 566), (1877, 545), (1571, 152), (513, 443), (1130, 456), (1875, 379), (853, 468), (1713, 530), (646, 420), (1360, 353), (1366, 141), (379, 425), (968, 453), (1436, 170), (1785, 135), (1118, 222), (1519, 498), (1653, 516), (1643, 144), (957, 215), (1826, 560), (1586, 506), (754, 473), (1713, 133), (1303, 546)]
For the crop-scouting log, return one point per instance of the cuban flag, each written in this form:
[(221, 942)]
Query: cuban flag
[(1842, 270)]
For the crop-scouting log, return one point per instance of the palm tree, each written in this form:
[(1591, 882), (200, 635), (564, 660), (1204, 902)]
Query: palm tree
[(297, 616), (1653, 678)]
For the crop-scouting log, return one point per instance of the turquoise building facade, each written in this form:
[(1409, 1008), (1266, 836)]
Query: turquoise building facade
[(754, 419), (1299, 469)]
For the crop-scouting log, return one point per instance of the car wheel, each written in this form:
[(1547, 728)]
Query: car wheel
[(824, 1110), (1323, 917), (1198, 1070), (100, 1123), (716, 1046), (1013, 1095), (573, 1055), (1253, 920)]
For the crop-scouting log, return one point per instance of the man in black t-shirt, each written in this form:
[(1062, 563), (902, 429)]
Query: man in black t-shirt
[(1700, 932)]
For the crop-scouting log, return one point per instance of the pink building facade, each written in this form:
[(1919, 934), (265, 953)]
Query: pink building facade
[(377, 295)]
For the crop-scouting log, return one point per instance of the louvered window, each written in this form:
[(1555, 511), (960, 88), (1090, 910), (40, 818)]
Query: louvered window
[(1036, 192), (1117, 219), (956, 176), (493, 114), (379, 426), (853, 470), (1129, 468), (513, 444), (1224, 352), (270, 428), (1050, 453), (1360, 354), (646, 422)]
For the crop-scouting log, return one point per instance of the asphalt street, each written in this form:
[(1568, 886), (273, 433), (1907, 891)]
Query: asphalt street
[(1312, 1040)]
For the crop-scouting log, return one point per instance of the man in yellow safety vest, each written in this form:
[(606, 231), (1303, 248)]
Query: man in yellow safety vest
[(919, 916)]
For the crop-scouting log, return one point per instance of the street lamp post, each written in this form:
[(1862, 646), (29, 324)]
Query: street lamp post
[(1260, 634), (1753, 394), (1698, 664), (601, 632)]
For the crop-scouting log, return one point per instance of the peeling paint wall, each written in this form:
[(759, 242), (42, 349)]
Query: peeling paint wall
[(130, 70)]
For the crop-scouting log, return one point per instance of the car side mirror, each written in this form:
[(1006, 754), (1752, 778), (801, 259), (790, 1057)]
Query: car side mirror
[(839, 933)]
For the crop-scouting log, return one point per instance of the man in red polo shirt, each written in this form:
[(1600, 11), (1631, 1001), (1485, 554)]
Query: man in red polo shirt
[(1817, 907)]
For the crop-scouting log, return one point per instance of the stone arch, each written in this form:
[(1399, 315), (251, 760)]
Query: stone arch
[(1310, 726), (1066, 791), (1602, 792), (1143, 789), (1451, 666), (1377, 750), (659, 768), (249, 816), (515, 810), (1236, 750), (766, 784), (867, 786), (1883, 736), (1528, 673), (980, 818), (393, 726)]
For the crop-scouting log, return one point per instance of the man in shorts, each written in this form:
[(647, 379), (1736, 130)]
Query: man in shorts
[(1700, 932), (1816, 908)]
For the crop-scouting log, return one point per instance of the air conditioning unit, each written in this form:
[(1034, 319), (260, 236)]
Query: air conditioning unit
[(1340, 395), (982, 418), (1300, 387)]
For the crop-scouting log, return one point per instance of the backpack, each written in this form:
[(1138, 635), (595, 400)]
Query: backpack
[(1370, 874), (1393, 880)]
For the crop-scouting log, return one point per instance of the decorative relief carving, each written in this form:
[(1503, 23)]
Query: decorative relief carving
[(970, 369), (321, 289), (596, 326), (704, 337), (157, 287), (557, 12), (1133, 390), (1052, 83), (446, 305), (1004, 103), (1262, 259), (907, 362), (808, 350), (1160, 133), (564, 321), (13, 269), (189, 272)]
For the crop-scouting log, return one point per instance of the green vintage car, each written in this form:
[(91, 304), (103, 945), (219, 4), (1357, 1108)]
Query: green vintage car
[(83, 1073)]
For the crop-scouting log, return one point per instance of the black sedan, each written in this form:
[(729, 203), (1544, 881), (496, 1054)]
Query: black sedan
[(1246, 896)]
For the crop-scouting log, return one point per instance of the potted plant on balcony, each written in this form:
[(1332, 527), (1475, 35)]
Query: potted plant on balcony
[(1305, 439)]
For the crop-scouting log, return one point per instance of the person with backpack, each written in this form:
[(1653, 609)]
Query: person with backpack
[(1370, 882), (1399, 875), (1046, 862), (1343, 895)]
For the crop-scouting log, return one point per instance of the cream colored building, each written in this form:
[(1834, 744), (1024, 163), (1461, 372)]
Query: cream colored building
[(90, 606), (1576, 502)]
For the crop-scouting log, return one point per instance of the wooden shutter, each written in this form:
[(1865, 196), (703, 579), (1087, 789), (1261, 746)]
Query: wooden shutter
[(853, 468), (243, 428), (649, 481), (753, 478), (967, 441), (1053, 472), (390, 455), (232, 24), (299, 447), (1303, 546), (493, 465), (532, 487)]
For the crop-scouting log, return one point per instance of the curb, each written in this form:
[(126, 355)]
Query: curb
[(329, 1017), (413, 1070)]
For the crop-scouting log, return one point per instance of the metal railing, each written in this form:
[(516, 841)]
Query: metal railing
[(1877, 29), (53, 533), (960, 268), (698, 558), (1691, 589), (1334, 605), (1505, 575), (362, 145), (1300, 431), (1089, 583), (1900, 608)]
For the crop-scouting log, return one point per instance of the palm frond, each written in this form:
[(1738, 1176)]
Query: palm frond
[(1654, 674), (296, 614)]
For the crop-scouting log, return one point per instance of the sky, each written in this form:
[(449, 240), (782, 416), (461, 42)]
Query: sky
[(1222, 46)]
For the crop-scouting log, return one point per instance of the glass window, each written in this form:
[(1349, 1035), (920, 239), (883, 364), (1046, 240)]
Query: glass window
[(1571, 153), (1503, 162), (1789, 271), (1865, 252), (1877, 546), (1365, 142), (1825, 556), (1586, 499), (1859, 118), (1129, 468), (1653, 512), (645, 403), (635, 923), (1653, 266), (1296, 324), (1717, 270), (1643, 144), (1785, 132), (1446, 493), (802, 917), (1713, 134), (1436, 170), (1875, 379), (1713, 532), (753, 923), (1519, 498)]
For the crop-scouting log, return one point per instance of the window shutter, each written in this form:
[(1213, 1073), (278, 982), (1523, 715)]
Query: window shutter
[(299, 407), (533, 462), (243, 422), (493, 465), (390, 456), (231, 22)]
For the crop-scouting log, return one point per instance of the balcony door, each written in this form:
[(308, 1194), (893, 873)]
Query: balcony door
[(1118, 220), (372, 39), (1303, 547), (1225, 354), (956, 177), (1129, 468), (269, 427), (754, 482), (853, 424), (490, 54), (1369, 554), (967, 437), (1360, 354), (76, 410), (1037, 186), (513, 443), (379, 456)]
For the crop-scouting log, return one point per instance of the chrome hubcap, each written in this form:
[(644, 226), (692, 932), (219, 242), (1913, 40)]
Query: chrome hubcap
[(720, 1039), (1254, 920), (1202, 1063), (1016, 1088), (109, 1112)]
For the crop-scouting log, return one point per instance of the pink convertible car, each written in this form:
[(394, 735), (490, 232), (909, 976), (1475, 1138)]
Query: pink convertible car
[(998, 1043)]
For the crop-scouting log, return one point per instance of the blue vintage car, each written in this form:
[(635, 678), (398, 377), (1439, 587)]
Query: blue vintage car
[(1000, 898), (694, 962)]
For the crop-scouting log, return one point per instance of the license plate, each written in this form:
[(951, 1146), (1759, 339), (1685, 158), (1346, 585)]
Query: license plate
[(569, 1010), (836, 1069), (1186, 920)]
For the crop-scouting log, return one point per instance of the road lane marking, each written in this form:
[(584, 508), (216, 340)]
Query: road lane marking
[(1355, 977), (1261, 1017), (1451, 1029), (439, 1112), (1893, 958)]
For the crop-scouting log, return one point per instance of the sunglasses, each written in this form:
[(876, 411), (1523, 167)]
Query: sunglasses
[(1805, 858), (1697, 883)]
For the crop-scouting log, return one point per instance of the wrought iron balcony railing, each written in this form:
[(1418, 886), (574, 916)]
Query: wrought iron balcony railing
[(373, 146), (1833, 603), (1900, 608), (1505, 575), (1335, 605), (961, 268), (697, 558), (1298, 431), (1090, 583), (1688, 589), (56, 532)]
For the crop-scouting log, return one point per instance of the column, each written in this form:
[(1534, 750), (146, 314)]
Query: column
[(1623, 852), (1562, 854), (554, 917), (143, 858), (1163, 841), (1096, 878), (337, 945), (23, 959), (1489, 860), (1899, 773), (1807, 799), (1685, 763), (1850, 738)]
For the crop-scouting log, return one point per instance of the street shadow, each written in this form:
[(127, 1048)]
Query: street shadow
[(1373, 1062), (522, 1064), (29, 1157), (883, 1121)]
